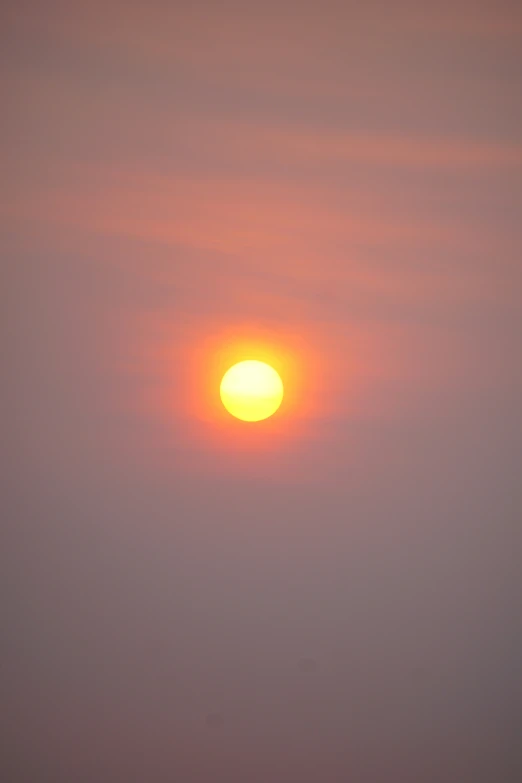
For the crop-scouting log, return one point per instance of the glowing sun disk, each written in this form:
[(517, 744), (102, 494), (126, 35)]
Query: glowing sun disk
[(251, 390)]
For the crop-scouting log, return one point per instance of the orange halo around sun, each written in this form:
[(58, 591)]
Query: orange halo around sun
[(251, 390), (293, 355)]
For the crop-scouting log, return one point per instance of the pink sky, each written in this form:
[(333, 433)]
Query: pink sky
[(340, 186)]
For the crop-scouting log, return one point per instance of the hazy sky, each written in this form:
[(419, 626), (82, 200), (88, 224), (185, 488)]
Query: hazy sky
[(333, 595)]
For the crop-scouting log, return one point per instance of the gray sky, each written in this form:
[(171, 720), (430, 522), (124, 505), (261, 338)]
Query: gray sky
[(333, 594)]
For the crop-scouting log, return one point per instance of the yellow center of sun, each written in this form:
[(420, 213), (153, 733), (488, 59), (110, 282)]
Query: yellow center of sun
[(251, 390)]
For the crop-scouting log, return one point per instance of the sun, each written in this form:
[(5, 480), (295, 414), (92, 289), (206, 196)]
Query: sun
[(251, 390)]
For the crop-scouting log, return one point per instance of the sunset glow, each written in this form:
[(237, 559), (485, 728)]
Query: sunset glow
[(262, 271)]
